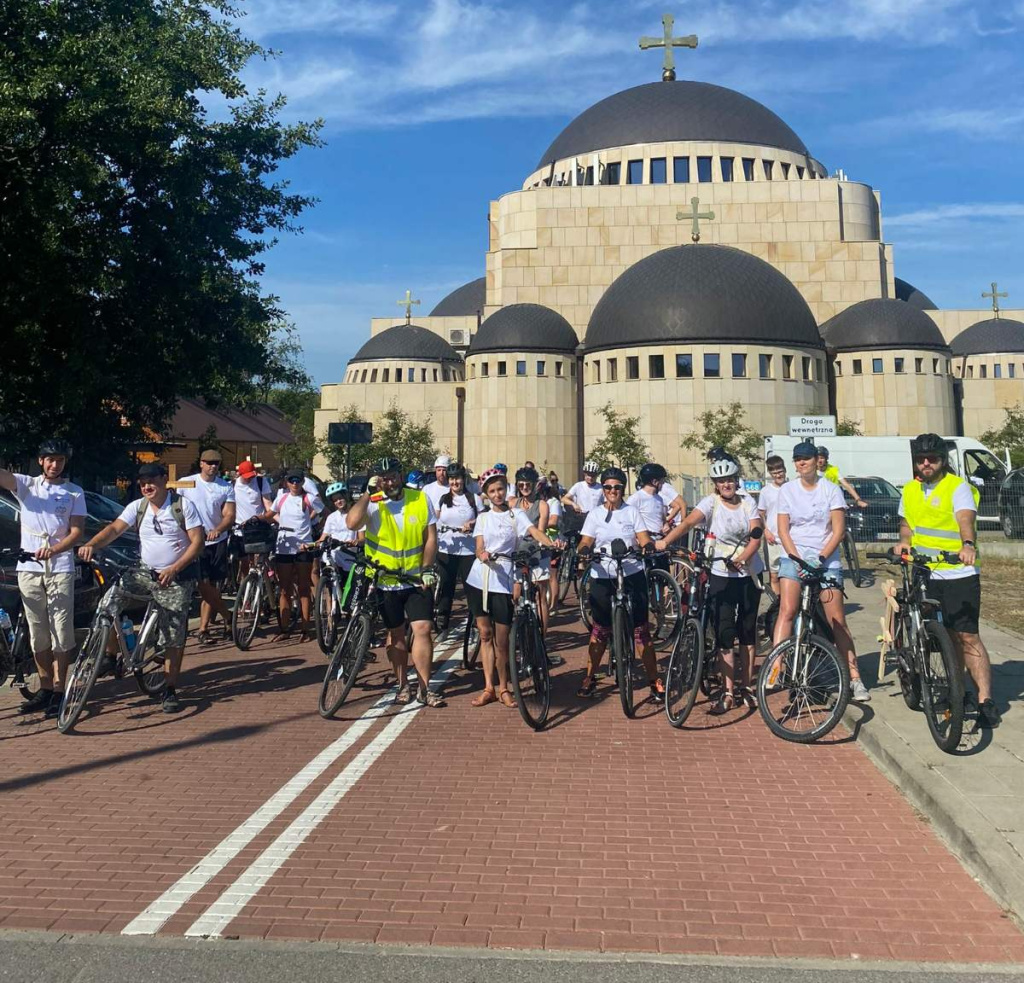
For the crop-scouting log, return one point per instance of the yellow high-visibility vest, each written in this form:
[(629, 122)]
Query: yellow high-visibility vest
[(932, 520), (395, 548)]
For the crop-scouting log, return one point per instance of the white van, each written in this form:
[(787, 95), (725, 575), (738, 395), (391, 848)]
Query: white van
[(889, 458)]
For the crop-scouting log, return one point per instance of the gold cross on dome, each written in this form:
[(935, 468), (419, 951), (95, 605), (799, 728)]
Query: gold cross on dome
[(695, 215), (668, 71), (995, 295), (407, 304)]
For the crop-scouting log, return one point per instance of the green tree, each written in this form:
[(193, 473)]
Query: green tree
[(298, 404), (134, 224), (847, 427), (1010, 436), (726, 427), (621, 446), (395, 434)]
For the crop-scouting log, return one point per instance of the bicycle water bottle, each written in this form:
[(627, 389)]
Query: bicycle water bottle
[(128, 630), (6, 627), (710, 541)]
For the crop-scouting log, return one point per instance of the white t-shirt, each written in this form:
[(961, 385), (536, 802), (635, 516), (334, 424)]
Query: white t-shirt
[(434, 491), (312, 489), (668, 495), (296, 513), (159, 549), (249, 497), (500, 532), (810, 514), (768, 506), (652, 509), (731, 527), (396, 508), (46, 510), (334, 526), (586, 496), (209, 497), (554, 512), (962, 499), (455, 516), (622, 523)]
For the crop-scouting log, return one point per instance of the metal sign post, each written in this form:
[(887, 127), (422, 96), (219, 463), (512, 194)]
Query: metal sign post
[(358, 432)]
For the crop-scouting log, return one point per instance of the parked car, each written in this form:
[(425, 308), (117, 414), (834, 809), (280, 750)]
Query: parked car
[(880, 521), (1011, 505)]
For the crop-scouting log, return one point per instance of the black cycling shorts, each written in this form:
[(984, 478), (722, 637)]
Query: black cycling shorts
[(499, 606), (734, 602), (960, 601), (408, 604), (302, 557), (213, 562), (602, 590)]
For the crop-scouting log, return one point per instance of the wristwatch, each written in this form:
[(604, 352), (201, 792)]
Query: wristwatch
[(970, 542)]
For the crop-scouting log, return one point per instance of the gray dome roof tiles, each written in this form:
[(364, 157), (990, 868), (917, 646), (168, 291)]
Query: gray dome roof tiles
[(524, 328), (664, 111), (463, 301), (882, 323), (704, 293), (909, 293), (407, 341), (989, 337)]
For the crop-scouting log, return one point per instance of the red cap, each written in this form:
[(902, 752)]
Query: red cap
[(246, 469)]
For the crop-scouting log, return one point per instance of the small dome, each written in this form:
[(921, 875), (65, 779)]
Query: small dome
[(909, 293), (882, 324), (662, 111), (989, 337), (407, 341), (524, 328), (701, 293), (463, 301)]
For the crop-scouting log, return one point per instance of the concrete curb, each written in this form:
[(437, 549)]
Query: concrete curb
[(985, 853)]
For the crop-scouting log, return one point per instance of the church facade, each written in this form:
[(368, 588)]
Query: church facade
[(678, 248)]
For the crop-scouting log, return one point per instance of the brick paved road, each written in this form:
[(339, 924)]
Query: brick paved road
[(597, 834)]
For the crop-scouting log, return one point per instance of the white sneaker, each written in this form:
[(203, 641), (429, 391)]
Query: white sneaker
[(860, 692)]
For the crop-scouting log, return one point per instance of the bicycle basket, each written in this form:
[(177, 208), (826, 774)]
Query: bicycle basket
[(259, 537)]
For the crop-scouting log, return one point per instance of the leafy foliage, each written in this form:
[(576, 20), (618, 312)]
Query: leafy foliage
[(849, 428), (134, 224), (726, 427), (299, 405), (395, 434), (1010, 436), (621, 446)]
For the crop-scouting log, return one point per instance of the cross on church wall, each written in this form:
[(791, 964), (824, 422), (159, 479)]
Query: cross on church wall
[(995, 295), (695, 215), (668, 72), (407, 304)]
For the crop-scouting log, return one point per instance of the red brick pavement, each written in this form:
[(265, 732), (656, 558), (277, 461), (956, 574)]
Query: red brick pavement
[(598, 834)]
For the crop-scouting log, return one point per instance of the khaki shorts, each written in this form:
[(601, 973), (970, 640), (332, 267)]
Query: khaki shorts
[(776, 552), (49, 600)]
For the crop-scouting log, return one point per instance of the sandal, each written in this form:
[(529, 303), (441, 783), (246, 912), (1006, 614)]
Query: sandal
[(725, 703), (748, 698), (428, 698), (587, 688), (507, 699), (657, 690), (204, 638), (404, 696), (485, 696)]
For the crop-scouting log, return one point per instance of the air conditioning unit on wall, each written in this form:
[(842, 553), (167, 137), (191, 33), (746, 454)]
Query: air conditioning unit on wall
[(459, 337)]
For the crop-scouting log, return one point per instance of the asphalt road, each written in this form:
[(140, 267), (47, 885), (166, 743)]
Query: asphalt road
[(52, 958)]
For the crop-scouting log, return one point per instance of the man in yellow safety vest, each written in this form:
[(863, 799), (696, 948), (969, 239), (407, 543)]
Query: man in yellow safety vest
[(938, 511)]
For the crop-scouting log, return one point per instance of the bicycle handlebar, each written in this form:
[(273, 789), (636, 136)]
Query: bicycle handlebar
[(918, 559)]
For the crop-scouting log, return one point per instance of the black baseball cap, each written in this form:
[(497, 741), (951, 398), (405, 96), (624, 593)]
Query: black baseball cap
[(152, 471)]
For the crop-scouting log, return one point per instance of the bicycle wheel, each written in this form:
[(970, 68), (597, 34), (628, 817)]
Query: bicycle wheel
[(711, 682), (802, 692), (82, 677), (583, 593), (346, 661), (906, 670), (528, 669), (245, 615), (853, 560), (626, 662), (942, 687), (665, 608), (149, 671), (324, 615), (566, 571), (470, 644), (685, 668)]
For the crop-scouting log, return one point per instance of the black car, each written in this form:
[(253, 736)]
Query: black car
[(880, 521), (1011, 505)]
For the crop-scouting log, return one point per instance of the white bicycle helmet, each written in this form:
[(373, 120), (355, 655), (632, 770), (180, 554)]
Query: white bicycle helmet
[(590, 467), (724, 469)]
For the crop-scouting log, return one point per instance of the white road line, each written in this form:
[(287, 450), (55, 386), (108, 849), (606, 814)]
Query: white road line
[(227, 907), (150, 921)]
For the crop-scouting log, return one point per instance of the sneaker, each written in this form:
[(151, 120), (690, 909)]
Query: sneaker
[(53, 707), (554, 661), (859, 692), (170, 703), (989, 716), (37, 703)]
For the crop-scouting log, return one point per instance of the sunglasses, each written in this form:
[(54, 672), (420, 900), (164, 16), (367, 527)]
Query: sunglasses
[(525, 484), (617, 488), (927, 459), (293, 481)]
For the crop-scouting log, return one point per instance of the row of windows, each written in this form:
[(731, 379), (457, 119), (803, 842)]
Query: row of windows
[(808, 368), (501, 368), (899, 366), (657, 171), (425, 375), (997, 371)]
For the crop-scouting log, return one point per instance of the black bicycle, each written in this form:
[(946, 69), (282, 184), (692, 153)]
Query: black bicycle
[(16, 660), (849, 545), (567, 566), (329, 606), (926, 659)]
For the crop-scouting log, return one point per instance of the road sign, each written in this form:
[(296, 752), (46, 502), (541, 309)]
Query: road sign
[(349, 433), (812, 426)]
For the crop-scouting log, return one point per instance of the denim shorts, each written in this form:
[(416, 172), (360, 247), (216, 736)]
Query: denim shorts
[(788, 570)]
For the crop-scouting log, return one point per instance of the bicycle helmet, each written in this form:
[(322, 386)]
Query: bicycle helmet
[(650, 473), (616, 473), (491, 474), (500, 468), (415, 479), (929, 443), (389, 465), (336, 488), (527, 474), (724, 469), (590, 467), (822, 451), (456, 470), (54, 447), (718, 453)]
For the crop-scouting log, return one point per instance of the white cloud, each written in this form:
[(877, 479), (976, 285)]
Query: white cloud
[(263, 18), (945, 214)]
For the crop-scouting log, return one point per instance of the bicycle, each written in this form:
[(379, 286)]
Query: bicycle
[(143, 661), (926, 660), (567, 568), (853, 560), (16, 659), (804, 683), (257, 596), (353, 645), (328, 601)]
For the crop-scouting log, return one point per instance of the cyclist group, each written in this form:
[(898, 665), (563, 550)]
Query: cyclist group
[(456, 528)]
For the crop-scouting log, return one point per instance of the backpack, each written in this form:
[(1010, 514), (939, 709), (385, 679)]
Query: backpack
[(177, 510)]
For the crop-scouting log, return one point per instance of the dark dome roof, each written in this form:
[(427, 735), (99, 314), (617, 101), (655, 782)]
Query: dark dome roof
[(997, 334), (464, 300), (662, 111), (408, 341), (882, 324), (701, 293), (524, 328), (913, 296)]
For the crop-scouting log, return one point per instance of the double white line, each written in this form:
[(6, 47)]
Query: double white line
[(230, 903)]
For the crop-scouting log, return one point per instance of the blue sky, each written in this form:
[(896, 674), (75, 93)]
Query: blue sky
[(434, 108)]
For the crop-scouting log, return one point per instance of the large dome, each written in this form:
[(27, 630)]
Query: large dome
[(990, 337), (879, 324), (524, 328), (463, 301), (662, 111), (703, 293), (909, 293), (407, 341)]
